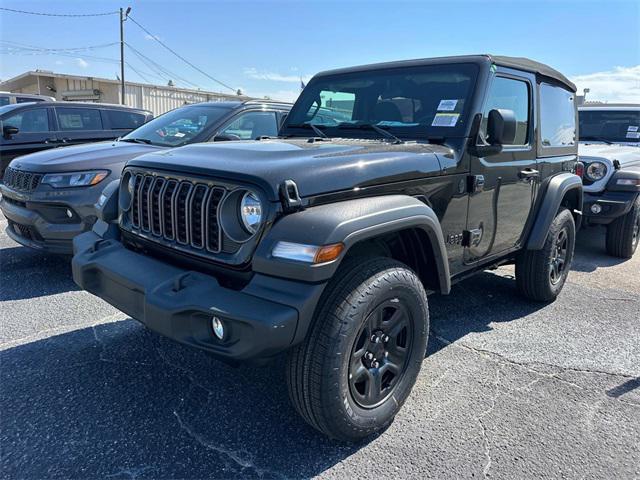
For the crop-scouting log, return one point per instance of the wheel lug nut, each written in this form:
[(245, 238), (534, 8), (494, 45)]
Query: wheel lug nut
[(369, 355), (385, 338), (375, 364), (375, 338), (386, 354)]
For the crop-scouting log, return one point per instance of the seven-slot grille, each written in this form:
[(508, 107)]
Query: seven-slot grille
[(20, 180), (180, 211)]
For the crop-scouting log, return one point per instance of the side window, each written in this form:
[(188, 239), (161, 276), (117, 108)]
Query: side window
[(512, 95), (333, 108), (78, 118), (29, 121), (120, 119), (251, 125), (557, 116), (4, 100)]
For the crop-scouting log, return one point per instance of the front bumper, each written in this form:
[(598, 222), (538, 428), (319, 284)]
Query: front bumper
[(262, 319), (612, 204), (43, 223)]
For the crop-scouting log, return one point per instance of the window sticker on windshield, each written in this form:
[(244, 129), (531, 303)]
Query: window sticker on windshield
[(447, 105), (632, 128), (179, 134), (445, 120), (633, 134)]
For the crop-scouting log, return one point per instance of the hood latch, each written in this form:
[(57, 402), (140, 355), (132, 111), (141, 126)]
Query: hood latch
[(289, 196)]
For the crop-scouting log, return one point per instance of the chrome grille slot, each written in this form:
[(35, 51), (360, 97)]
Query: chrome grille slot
[(156, 206), (145, 189), (167, 210), (135, 209), (213, 232), (182, 214), (197, 210)]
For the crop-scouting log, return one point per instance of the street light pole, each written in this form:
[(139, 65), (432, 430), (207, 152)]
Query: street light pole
[(123, 17)]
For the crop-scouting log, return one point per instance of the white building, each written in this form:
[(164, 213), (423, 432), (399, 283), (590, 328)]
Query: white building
[(155, 98)]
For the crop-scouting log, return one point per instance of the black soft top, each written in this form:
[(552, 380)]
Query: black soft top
[(519, 63)]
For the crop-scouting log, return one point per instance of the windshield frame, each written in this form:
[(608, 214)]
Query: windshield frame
[(201, 136), (406, 132)]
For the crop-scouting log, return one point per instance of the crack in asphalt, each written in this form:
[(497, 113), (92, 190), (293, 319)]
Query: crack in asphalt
[(483, 428)]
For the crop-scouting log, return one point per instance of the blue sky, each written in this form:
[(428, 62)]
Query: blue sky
[(265, 47)]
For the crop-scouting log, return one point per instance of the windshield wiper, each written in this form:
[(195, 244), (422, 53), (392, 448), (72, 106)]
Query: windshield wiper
[(136, 140), (374, 127), (317, 131), (597, 139)]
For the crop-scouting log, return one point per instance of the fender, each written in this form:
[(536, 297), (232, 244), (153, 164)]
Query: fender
[(551, 201), (349, 222)]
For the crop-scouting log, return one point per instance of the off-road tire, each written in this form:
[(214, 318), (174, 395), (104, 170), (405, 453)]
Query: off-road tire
[(317, 369), (534, 267), (620, 233)]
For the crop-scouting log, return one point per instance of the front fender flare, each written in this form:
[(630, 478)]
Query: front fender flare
[(349, 222), (550, 203)]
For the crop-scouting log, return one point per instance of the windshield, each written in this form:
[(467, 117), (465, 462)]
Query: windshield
[(179, 127), (610, 125), (409, 102)]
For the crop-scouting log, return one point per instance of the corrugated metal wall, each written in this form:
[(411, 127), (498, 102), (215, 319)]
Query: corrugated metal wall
[(160, 100)]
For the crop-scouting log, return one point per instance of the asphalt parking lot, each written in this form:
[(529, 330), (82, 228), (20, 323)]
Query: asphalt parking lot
[(510, 389)]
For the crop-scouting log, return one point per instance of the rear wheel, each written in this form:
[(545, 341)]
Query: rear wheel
[(541, 274), (623, 235), (362, 357)]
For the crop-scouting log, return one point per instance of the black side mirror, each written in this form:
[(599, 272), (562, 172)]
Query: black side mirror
[(8, 131), (501, 127)]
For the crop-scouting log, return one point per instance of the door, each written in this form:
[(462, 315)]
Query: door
[(34, 134), (250, 126), (80, 125), (501, 201)]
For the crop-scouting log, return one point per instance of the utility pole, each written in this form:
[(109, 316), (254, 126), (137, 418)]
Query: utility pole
[(123, 17)]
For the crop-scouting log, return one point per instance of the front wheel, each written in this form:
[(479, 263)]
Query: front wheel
[(623, 234), (541, 274), (356, 368)]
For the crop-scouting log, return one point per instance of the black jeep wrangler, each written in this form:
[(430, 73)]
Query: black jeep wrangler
[(325, 241)]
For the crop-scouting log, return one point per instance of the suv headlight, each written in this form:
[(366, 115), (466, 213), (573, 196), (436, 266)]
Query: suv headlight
[(251, 212), (596, 171), (75, 179)]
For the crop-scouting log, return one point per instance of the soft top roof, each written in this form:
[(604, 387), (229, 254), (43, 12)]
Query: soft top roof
[(519, 63)]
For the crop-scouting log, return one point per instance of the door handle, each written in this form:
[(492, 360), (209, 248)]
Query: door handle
[(528, 173), (51, 140)]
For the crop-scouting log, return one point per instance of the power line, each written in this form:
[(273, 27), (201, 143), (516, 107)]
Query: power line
[(159, 68), (154, 37), (43, 14), (21, 47)]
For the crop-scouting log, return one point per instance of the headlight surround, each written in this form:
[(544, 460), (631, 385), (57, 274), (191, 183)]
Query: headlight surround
[(595, 171), (75, 179), (251, 212)]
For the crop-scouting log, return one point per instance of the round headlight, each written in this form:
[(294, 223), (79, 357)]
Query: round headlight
[(126, 191), (596, 171), (251, 212)]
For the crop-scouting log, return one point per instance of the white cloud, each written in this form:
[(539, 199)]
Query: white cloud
[(59, 62), (282, 95), (622, 84), (256, 74), (82, 63)]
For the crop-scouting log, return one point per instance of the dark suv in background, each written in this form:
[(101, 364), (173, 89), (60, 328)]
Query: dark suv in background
[(40, 125), (49, 197)]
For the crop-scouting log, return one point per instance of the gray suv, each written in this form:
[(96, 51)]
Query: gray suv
[(49, 197)]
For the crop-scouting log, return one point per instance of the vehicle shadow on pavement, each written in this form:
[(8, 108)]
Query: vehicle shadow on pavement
[(25, 273), (472, 305), (590, 253), (119, 401)]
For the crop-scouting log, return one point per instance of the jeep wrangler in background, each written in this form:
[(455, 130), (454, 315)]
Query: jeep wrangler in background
[(325, 241), (610, 152)]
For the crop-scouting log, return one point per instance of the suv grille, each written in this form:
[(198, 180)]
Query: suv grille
[(20, 180), (182, 212)]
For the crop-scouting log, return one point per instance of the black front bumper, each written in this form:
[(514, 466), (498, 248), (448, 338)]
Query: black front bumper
[(264, 318), (613, 204), (43, 223)]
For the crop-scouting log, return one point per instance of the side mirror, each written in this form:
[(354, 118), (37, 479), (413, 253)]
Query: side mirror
[(8, 131), (501, 127)]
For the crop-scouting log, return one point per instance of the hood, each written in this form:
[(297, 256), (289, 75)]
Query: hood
[(626, 155), (89, 156), (316, 167)]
